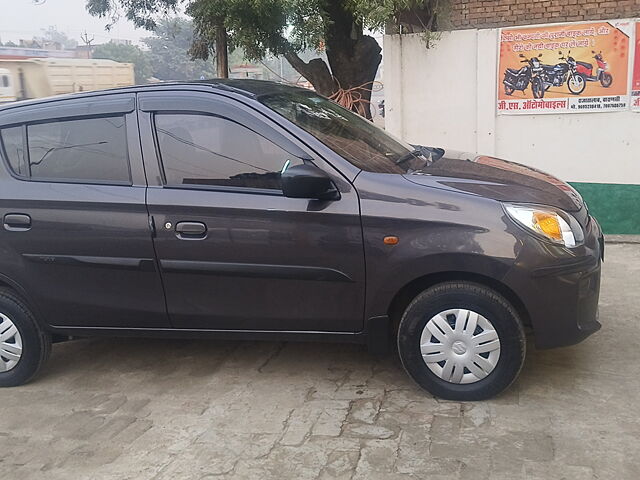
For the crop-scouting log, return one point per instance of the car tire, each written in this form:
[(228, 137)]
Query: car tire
[(20, 333), (492, 316)]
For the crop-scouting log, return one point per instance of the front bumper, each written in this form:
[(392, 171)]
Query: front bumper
[(561, 297)]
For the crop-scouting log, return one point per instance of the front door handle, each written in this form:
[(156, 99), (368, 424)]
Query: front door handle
[(17, 222), (191, 229)]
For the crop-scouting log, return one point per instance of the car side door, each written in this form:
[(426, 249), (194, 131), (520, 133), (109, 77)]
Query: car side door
[(75, 236), (235, 254)]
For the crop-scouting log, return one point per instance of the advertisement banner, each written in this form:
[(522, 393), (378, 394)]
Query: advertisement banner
[(635, 80), (565, 68)]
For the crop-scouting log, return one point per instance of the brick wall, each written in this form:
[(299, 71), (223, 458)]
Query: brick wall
[(501, 13)]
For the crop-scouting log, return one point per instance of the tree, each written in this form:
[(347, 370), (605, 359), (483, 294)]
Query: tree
[(127, 54), (168, 49), (287, 27), (54, 36)]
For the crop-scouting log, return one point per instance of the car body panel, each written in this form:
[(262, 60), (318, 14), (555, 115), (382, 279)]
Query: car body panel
[(498, 179), (300, 261)]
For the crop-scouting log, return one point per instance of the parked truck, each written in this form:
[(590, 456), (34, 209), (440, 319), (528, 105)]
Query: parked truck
[(7, 92), (44, 77)]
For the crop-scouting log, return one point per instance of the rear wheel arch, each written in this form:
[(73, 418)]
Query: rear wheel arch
[(14, 288)]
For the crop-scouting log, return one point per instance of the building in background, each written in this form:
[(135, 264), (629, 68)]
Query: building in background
[(452, 94)]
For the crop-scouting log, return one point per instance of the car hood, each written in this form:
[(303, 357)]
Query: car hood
[(497, 179)]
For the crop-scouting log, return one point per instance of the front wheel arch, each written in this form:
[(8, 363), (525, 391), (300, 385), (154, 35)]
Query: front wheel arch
[(409, 291)]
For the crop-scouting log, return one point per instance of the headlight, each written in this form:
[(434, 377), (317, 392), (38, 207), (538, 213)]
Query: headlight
[(555, 225)]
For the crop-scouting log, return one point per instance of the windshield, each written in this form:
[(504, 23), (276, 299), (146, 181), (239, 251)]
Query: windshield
[(353, 137)]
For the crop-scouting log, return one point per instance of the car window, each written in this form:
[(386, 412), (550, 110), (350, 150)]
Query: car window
[(89, 149), (13, 148), (200, 149)]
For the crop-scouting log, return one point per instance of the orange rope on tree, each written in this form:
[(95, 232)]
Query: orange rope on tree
[(353, 98)]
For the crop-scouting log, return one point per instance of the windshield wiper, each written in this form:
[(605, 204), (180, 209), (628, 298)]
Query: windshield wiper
[(408, 156)]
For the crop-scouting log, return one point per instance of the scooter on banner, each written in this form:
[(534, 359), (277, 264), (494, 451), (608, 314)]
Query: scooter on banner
[(519, 79), (602, 75)]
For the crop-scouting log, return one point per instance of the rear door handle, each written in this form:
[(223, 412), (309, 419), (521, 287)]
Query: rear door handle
[(191, 229), (17, 222)]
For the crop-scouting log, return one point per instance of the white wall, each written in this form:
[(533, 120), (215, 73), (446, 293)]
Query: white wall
[(446, 96)]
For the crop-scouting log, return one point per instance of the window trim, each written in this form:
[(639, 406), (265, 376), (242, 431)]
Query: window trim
[(27, 157), (201, 187)]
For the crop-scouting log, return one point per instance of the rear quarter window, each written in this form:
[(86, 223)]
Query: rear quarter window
[(13, 149)]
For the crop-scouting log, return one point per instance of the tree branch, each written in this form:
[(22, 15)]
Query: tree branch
[(316, 71)]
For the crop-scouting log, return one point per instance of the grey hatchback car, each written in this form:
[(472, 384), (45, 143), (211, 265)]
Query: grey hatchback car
[(254, 210)]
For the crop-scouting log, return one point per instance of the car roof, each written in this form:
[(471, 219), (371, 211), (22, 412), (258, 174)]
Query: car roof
[(247, 87)]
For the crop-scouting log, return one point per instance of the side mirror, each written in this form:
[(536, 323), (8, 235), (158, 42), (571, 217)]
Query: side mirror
[(308, 181), (521, 55), (540, 55)]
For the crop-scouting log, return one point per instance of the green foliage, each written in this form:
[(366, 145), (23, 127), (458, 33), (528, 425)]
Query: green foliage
[(259, 27), (127, 54), (264, 28)]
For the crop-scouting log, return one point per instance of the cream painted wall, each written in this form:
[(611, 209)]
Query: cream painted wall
[(445, 96)]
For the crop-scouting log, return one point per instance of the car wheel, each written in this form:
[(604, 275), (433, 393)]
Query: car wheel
[(461, 341), (24, 347)]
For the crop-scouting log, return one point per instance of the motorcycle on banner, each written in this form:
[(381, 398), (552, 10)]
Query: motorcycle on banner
[(519, 79), (557, 75), (602, 75)]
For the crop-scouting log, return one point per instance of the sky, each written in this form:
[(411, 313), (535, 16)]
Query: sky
[(24, 19)]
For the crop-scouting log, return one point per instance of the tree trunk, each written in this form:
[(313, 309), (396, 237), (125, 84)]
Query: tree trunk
[(353, 60), (222, 52), (355, 70)]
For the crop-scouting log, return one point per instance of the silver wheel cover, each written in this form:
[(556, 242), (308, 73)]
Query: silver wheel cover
[(10, 344), (460, 346)]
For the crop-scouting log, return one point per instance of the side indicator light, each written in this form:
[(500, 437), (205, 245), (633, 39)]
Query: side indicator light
[(391, 240)]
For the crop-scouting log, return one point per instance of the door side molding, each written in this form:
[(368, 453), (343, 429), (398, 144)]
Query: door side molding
[(256, 270), (126, 263)]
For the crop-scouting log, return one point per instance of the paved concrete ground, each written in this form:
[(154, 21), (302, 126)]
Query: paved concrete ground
[(155, 409)]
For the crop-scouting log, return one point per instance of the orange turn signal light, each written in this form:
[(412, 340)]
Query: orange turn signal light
[(548, 224), (391, 240)]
